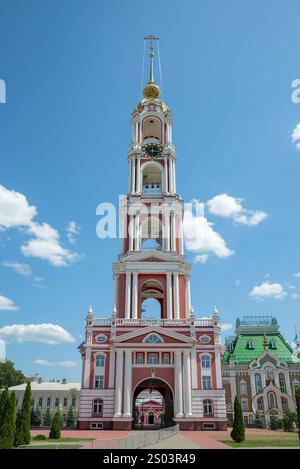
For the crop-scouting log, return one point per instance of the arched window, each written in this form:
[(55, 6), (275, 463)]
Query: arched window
[(260, 404), (205, 361), (151, 233), (153, 339), (284, 404), (272, 400), (282, 383), (250, 344), (258, 385), (273, 344), (152, 178), (207, 407), (97, 406), (151, 130), (100, 360), (243, 388)]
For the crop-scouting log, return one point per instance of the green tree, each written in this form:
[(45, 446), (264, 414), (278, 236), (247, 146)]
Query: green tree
[(47, 418), (259, 422), (22, 436), (13, 412), (55, 427), (70, 421), (6, 427), (35, 418), (297, 397), (288, 421), (9, 376), (238, 430)]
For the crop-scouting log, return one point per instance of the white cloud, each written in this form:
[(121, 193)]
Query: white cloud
[(22, 269), (297, 274), (268, 290), (295, 296), (296, 136), (201, 258), (6, 304), (66, 363), (72, 231), (226, 206), (46, 333), (16, 212), (202, 239), (226, 326)]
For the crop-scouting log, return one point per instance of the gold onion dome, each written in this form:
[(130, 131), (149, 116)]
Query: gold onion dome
[(151, 91)]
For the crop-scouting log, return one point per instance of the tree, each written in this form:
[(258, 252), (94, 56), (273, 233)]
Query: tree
[(6, 426), (288, 421), (47, 418), (55, 427), (238, 430), (297, 396), (70, 421), (22, 436), (13, 412), (9, 376), (259, 422), (35, 418), (275, 423)]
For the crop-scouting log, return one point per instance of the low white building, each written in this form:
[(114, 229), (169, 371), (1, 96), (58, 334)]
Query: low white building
[(52, 395)]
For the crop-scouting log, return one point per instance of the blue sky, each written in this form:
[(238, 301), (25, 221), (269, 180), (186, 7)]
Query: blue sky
[(73, 75)]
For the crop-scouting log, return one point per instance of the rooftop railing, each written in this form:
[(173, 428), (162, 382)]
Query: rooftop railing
[(151, 322)]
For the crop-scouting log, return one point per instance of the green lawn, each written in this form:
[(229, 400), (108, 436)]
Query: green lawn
[(265, 442)]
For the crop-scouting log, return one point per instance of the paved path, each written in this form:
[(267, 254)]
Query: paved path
[(177, 441)]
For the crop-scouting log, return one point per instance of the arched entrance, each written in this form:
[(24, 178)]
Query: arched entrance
[(149, 389), (152, 299)]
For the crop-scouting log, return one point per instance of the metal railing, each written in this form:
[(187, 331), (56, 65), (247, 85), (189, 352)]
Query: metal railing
[(59, 445), (151, 322), (142, 439)]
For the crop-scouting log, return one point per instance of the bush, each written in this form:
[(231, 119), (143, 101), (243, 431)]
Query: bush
[(275, 423), (22, 436), (39, 437), (288, 421), (47, 418), (238, 430), (55, 427), (6, 424), (297, 396)]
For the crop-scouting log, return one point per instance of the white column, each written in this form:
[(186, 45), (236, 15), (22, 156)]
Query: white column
[(136, 132), (137, 232), (167, 228), (169, 295), (130, 176), (218, 368), (127, 384), (170, 133), (178, 384), (138, 176), (116, 281), (170, 177), (131, 231), (174, 176), (187, 383), (180, 235), (119, 384), (112, 356), (128, 295), (173, 232), (133, 177), (176, 296), (188, 294), (165, 189), (87, 367), (194, 368), (134, 295)]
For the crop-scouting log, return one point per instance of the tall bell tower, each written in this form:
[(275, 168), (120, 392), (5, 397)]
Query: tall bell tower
[(172, 352), (151, 264)]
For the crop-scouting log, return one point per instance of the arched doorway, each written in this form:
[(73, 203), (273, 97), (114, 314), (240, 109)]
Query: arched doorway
[(156, 393), (151, 300)]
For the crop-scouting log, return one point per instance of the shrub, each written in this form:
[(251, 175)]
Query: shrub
[(238, 430), (55, 427), (297, 396), (22, 436), (39, 437)]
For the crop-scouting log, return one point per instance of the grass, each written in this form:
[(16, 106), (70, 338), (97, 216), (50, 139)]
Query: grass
[(283, 441)]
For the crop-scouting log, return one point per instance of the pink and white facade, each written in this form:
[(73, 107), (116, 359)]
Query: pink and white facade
[(175, 353)]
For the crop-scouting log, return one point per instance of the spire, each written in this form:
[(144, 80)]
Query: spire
[(151, 38), (266, 342), (151, 90)]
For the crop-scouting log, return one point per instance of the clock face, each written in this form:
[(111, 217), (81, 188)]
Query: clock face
[(152, 150)]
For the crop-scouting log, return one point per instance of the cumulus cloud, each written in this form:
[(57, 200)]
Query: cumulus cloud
[(46, 333), (201, 238), (66, 363), (72, 231), (226, 326), (6, 304), (16, 212), (268, 290), (226, 206), (296, 136)]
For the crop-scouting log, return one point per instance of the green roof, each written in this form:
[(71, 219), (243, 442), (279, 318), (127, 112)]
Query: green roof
[(242, 354)]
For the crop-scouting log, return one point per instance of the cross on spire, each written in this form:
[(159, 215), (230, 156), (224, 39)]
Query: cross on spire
[(151, 38)]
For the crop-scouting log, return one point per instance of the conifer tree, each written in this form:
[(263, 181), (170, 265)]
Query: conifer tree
[(6, 427), (238, 430), (297, 396), (13, 412), (55, 427), (47, 418), (70, 421), (22, 436)]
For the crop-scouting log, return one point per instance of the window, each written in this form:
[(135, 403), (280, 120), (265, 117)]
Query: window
[(153, 339), (56, 401), (243, 388), (73, 401), (100, 360), (282, 383), (209, 426), (97, 406), (272, 400), (258, 385), (99, 381), (140, 358), (284, 404), (166, 359), (65, 402), (48, 401), (40, 402), (207, 407), (205, 361), (206, 382), (246, 420), (96, 426), (152, 358), (244, 404), (273, 344), (204, 339), (250, 344), (260, 405), (101, 338), (250, 419)]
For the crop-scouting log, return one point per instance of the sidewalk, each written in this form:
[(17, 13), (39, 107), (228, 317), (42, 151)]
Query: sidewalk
[(177, 441)]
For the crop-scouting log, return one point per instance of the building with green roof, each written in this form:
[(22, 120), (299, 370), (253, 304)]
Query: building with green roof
[(261, 368)]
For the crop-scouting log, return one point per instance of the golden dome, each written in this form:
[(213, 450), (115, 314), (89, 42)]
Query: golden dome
[(151, 91)]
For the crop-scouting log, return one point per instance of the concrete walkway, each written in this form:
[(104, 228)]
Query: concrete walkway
[(177, 441)]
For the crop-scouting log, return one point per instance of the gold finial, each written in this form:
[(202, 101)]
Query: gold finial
[(266, 342), (151, 90)]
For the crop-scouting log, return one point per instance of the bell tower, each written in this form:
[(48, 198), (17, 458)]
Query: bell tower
[(151, 264)]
